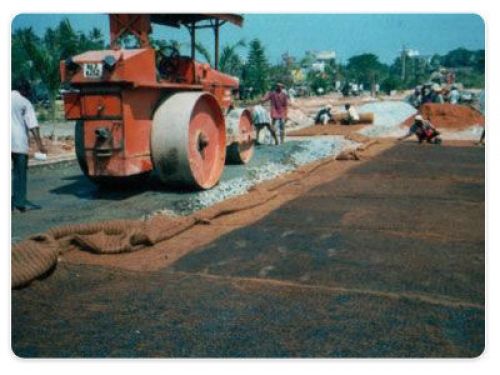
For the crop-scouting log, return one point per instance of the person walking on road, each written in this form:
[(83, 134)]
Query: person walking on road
[(279, 108), (23, 120), (424, 131)]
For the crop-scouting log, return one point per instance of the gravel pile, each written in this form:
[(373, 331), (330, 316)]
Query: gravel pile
[(272, 162), (388, 118)]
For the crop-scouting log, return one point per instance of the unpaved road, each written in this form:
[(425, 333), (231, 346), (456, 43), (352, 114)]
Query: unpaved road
[(385, 260)]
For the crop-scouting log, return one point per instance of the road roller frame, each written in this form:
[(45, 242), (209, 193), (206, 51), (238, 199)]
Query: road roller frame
[(116, 97)]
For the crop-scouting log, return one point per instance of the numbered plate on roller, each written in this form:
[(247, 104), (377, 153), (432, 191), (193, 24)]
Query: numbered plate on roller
[(93, 70)]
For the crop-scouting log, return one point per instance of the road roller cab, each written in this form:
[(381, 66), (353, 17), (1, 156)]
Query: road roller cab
[(141, 109)]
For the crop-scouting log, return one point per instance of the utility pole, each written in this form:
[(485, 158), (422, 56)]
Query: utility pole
[(403, 63)]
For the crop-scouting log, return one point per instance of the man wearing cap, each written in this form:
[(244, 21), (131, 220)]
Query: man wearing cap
[(424, 131), (279, 108)]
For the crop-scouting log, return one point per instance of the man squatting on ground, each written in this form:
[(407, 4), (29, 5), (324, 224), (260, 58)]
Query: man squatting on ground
[(261, 119), (352, 115), (324, 115), (279, 108), (23, 120), (424, 131)]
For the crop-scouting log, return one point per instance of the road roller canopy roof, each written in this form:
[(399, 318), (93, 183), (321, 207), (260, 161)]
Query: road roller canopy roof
[(200, 20), (139, 25)]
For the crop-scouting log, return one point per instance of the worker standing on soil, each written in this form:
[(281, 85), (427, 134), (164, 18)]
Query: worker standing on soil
[(324, 115), (23, 120), (352, 115), (482, 109), (424, 131), (261, 120), (279, 108)]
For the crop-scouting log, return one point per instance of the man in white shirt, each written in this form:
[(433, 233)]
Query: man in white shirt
[(352, 115), (23, 121)]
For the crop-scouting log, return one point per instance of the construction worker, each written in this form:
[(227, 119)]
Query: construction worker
[(279, 108), (424, 131), (23, 120), (437, 96), (324, 115), (352, 115), (261, 119), (454, 95), (427, 94), (482, 108), (416, 97)]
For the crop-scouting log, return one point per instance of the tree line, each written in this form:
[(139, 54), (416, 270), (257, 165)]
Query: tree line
[(35, 59)]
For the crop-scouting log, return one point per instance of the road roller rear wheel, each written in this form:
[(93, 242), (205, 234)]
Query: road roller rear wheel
[(239, 124), (188, 140)]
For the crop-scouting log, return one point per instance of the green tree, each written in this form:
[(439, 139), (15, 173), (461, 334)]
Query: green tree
[(43, 57), (392, 82), (308, 59), (282, 72), (319, 80), (459, 57), (203, 51), (416, 71), (22, 66), (366, 69), (230, 62), (256, 70), (36, 59)]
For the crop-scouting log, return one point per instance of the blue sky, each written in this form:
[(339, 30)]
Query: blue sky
[(347, 34)]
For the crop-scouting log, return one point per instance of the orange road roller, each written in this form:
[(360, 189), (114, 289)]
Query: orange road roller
[(139, 110)]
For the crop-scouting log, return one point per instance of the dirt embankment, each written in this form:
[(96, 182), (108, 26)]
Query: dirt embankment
[(329, 129), (449, 116)]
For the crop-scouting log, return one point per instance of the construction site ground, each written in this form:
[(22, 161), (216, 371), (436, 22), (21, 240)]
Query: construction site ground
[(381, 257)]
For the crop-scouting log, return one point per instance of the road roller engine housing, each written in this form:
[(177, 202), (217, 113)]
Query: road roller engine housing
[(140, 109)]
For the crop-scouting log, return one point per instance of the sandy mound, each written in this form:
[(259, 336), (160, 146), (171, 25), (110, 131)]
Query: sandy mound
[(449, 116), (388, 118), (297, 118)]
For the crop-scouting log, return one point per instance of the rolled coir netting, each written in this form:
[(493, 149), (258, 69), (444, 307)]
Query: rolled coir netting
[(35, 256)]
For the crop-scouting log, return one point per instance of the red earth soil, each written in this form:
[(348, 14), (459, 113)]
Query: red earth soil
[(449, 116)]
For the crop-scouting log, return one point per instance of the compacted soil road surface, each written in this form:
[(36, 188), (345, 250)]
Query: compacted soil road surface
[(383, 260)]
